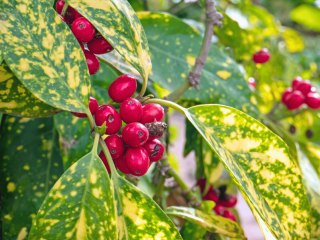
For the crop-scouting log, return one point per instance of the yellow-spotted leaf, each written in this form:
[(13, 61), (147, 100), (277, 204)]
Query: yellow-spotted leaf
[(43, 54), (118, 23), (16, 99), (260, 164), (143, 218), (80, 205), (30, 163)]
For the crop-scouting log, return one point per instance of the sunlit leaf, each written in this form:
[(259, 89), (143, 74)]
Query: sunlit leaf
[(30, 164), (209, 222), (307, 15), (294, 41), (43, 53)]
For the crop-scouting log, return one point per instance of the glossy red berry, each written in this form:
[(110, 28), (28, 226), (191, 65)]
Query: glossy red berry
[(152, 112), (137, 160), (228, 214), (211, 195), (285, 94), (304, 87), (261, 56), (122, 88), (115, 145), (93, 106), (108, 114), (313, 100), (121, 164), (155, 150), (99, 45), (83, 29), (59, 6), (294, 100), (131, 110), (297, 80), (219, 210), (73, 14), (92, 62), (227, 201), (104, 160), (135, 134)]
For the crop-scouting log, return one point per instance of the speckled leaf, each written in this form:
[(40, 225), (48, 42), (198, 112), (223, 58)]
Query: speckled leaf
[(30, 164), (144, 219), (43, 53), (17, 100), (118, 23), (210, 222), (260, 164), (80, 205)]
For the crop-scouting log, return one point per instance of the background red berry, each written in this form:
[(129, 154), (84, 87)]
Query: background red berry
[(219, 210), (92, 62), (105, 161), (285, 94), (227, 200), (304, 87), (99, 45), (228, 214), (59, 6), (135, 134), (115, 145), (211, 195), (122, 88), (294, 100), (93, 106), (261, 56), (108, 114), (83, 29), (155, 149), (137, 160), (313, 100), (131, 110), (152, 112), (296, 81)]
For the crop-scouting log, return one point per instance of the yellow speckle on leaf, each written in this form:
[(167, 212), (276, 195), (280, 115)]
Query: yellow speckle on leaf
[(20, 147), (241, 145), (26, 167), (93, 177), (81, 226), (22, 234), (223, 74), (11, 187), (7, 217), (73, 193), (190, 59)]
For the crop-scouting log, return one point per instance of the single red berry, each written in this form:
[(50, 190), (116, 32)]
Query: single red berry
[(137, 160), (104, 160), (115, 145), (294, 100), (122, 88), (59, 6), (297, 80), (109, 115), (252, 83), (92, 62), (261, 56), (219, 210), (201, 183), (121, 164), (211, 195), (304, 87), (155, 150), (83, 29), (135, 134), (152, 112), (227, 200), (99, 45), (131, 110), (73, 14), (313, 100), (93, 106), (228, 214), (285, 94)]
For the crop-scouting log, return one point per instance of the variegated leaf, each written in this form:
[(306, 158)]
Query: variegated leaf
[(43, 53), (30, 164), (260, 164), (118, 23), (16, 99), (210, 222), (80, 205)]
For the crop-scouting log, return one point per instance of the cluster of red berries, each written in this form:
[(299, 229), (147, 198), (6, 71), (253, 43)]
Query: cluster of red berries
[(221, 199), (86, 34), (261, 56), (137, 146), (301, 92)]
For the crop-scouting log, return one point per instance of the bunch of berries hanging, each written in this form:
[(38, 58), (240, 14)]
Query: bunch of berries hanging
[(89, 38)]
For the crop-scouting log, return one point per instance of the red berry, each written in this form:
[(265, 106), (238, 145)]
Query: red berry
[(201, 183), (285, 94), (104, 160), (131, 110), (228, 201), (261, 56), (219, 210), (92, 62), (211, 195), (99, 45), (304, 87), (313, 100), (115, 145), (297, 80), (59, 6), (228, 214), (137, 161), (152, 112), (121, 164), (135, 134), (155, 150), (93, 106), (294, 100), (73, 14), (122, 88), (83, 29), (108, 114), (252, 83)]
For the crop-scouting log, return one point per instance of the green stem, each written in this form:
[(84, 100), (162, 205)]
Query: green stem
[(96, 142), (64, 9), (178, 93), (143, 88), (106, 152), (167, 104)]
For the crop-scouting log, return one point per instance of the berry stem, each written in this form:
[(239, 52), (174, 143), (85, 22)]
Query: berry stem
[(167, 104), (64, 9), (213, 17), (143, 88), (96, 142)]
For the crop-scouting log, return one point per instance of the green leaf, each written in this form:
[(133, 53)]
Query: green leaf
[(312, 20), (80, 205), (30, 164), (209, 222), (260, 165), (118, 23), (293, 39), (312, 151), (17, 100), (43, 54)]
